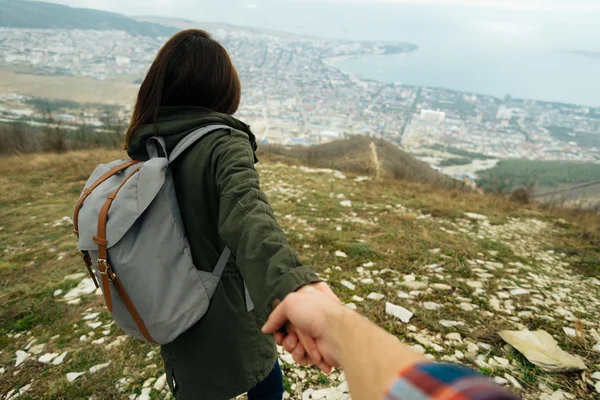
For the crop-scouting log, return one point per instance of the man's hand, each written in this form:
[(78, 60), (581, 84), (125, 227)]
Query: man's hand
[(307, 315)]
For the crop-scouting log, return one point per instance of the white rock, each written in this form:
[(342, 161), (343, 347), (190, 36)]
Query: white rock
[(160, 383), (454, 336), (375, 296), (596, 376), (148, 382), (2, 370), (320, 394), (71, 376), (459, 354), (441, 286), (597, 387), (477, 217), (93, 325), (437, 347), (519, 292), (37, 349), (428, 305), (347, 284), (74, 277), (98, 341), (57, 292), (22, 356), (46, 358), (287, 358), (341, 254), (357, 298), (117, 342), (403, 295), (369, 264), (307, 393), (59, 360), (74, 302), (86, 286), (367, 281), (513, 381), (500, 381), (91, 316), (18, 393), (346, 203), (570, 331), (399, 312), (410, 278), (351, 306), (98, 367), (472, 349), (502, 362), (418, 348), (450, 324), (475, 284), (596, 348), (484, 346), (145, 394), (467, 306)]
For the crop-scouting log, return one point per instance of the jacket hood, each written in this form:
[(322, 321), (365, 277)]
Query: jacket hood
[(174, 123)]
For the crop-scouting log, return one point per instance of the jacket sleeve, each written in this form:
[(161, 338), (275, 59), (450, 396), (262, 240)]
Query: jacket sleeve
[(247, 225)]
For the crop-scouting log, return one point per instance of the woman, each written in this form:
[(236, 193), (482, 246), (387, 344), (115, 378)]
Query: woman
[(192, 83)]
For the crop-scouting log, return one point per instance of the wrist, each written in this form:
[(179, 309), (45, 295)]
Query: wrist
[(339, 321)]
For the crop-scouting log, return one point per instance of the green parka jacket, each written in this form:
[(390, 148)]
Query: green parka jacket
[(225, 353)]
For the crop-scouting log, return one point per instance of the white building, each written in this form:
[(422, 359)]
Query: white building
[(433, 117)]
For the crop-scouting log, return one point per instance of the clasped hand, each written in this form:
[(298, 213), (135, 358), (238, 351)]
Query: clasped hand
[(300, 324)]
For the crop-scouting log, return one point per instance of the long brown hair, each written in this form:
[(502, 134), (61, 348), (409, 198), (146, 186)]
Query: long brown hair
[(191, 69)]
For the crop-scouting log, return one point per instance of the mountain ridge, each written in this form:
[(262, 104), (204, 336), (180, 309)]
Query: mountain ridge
[(43, 15)]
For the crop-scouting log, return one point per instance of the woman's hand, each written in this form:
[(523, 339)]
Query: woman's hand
[(307, 317), (302, 346)]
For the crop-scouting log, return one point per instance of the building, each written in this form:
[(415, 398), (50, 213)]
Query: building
[(433, 117)]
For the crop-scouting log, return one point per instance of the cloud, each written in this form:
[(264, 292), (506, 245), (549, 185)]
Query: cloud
[(522, 5)]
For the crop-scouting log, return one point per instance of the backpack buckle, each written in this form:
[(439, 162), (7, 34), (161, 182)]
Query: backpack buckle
[(104, 268)]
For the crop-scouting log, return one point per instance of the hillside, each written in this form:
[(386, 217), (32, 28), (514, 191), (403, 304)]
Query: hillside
[(565, 182), (363, 155), (466, 265), (41, 15)]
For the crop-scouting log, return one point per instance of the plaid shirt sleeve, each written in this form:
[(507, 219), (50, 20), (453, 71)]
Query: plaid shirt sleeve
[(432, 381)]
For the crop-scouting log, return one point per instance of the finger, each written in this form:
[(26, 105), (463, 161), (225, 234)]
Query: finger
[(310, 347), (290, 342), (326, 368), (298, 353), (279, 337), (277, 318)]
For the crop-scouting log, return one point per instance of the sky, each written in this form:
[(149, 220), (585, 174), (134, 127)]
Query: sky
[(551, 23)]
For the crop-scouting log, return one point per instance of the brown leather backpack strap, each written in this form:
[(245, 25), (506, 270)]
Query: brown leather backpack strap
[(87, 191), (131, 308), (88, 264), (104, 268), (100, 239)]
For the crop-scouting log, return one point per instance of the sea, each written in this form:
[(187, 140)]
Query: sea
[(526, 49)]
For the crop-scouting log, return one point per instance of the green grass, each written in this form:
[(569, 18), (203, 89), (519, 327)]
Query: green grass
[(41, 189)]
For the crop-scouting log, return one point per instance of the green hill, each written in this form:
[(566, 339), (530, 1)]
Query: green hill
[(467, 266), (40, 15), (509, 174)]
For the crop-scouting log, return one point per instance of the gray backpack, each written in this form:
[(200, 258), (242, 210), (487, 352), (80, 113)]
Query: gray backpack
[(133, 242)]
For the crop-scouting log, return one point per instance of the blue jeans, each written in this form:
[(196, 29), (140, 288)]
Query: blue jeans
[(271, 388)]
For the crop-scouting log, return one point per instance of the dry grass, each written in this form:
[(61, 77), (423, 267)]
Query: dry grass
[(399, 226)]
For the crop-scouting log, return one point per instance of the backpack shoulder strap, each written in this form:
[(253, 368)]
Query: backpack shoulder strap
[(193, 138)]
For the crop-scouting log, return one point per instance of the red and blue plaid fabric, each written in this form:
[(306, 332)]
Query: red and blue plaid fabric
[(445, 381)]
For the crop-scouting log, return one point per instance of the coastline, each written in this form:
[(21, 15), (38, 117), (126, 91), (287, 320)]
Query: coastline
[(330, 61)]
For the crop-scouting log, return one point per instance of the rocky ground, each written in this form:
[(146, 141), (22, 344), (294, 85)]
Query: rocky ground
[(443, 271)]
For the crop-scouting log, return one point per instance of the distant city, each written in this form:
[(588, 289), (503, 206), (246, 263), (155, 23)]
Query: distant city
[(292, 96)]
